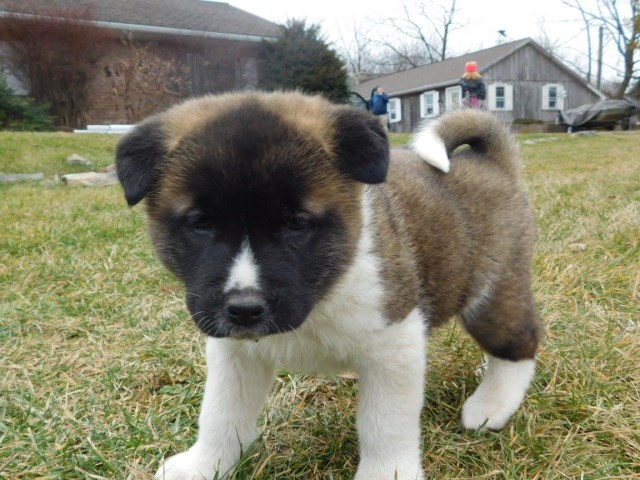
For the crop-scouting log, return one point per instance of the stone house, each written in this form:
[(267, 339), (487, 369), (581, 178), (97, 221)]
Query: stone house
[(217, 42), (524, 83)]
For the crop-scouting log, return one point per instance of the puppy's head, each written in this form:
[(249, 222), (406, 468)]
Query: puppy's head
[(254, 202)]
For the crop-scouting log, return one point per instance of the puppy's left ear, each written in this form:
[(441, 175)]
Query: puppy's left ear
[(138, 156), (361, 144)]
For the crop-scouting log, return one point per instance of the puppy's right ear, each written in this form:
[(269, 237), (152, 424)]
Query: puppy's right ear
[(138, 156), (362, 146)]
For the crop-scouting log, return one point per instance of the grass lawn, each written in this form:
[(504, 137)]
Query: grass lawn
[(102, 370)]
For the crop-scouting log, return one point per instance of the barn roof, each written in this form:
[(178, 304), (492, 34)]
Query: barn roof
[(449, 71)]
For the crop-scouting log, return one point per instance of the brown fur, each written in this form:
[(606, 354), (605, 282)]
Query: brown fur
[(458, 243), (304, 113), (449, 235)]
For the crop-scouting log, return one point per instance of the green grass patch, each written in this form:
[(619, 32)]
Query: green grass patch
[(102, 370), (46, 152), (399, 139)]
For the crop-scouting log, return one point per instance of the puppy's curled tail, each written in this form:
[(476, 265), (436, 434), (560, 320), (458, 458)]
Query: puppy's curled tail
[(482, 131)]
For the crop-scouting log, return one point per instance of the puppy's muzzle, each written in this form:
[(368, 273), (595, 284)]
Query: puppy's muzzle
[(245, 308)]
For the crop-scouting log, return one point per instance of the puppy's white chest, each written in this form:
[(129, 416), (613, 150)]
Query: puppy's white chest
[(337, 332)]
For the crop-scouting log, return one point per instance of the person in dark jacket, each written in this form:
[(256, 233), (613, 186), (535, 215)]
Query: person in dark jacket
[(474, 91), (378, 104)]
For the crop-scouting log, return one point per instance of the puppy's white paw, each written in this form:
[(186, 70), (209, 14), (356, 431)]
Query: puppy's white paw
[(481, 410), (499, 395), (192, 464), (403, 471)]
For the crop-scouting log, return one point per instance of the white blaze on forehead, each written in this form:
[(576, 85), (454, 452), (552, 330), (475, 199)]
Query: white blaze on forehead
[(428, 144), (244, 271)]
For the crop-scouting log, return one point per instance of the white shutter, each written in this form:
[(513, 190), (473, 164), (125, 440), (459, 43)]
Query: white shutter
[(491, 96), (423, 105), (545, 97), (508, 97), (561, 94)]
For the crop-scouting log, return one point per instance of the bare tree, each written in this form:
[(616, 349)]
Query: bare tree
[(402, 55), (426, 33), (143, 82), (568, 56), (589, 50), (545, 40), (54, 51), (622, 25), (357, 53)]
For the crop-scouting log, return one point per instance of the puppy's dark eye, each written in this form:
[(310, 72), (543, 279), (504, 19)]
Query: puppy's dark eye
[(300, 224), (201, 225)]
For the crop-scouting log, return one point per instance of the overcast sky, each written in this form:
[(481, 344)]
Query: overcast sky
[(481, 20)]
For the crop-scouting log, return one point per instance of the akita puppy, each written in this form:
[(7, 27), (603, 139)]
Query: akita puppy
[(304, 244)]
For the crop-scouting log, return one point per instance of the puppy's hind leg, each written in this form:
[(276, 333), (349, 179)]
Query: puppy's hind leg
[(508, 328), (499, 395)]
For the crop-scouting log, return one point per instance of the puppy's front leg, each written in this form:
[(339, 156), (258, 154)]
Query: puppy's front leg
[(234, 393), (391, 398)]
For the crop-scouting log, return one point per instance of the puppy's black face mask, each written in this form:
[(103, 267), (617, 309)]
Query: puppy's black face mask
[(253, 259), (230, 216)]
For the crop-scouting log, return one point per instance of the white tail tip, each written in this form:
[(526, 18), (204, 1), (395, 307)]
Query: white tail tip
[(431, 149)]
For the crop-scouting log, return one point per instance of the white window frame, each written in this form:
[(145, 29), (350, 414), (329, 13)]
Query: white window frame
[(435, 104), (453, 98), (546, 96), (507, 98), (247, 73), (394, 107)]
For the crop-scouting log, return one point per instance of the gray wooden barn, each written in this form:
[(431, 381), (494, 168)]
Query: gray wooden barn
[(524, 83)]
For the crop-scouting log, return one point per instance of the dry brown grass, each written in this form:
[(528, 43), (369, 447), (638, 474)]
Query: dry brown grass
[(102, 370)]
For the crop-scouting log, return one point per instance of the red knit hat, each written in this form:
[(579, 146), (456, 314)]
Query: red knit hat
[(471, 67)]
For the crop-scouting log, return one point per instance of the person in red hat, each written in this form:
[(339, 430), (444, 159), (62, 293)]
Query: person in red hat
[(473, 89)]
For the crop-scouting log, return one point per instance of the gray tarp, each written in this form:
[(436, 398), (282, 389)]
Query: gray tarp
[(606, 111)]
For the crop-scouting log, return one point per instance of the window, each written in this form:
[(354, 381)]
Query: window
[(500, 97), (553, 96), (13, 82), (453, 97), (247, 73), (429, 104), (395, 110)]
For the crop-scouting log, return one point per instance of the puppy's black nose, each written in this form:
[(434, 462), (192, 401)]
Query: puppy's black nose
[(245, 309)]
